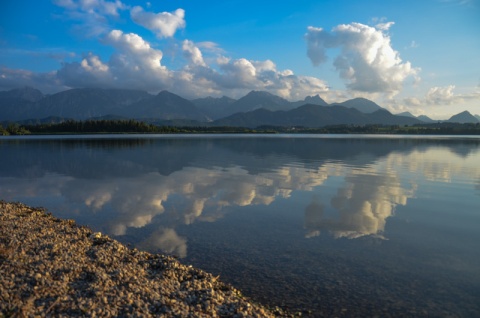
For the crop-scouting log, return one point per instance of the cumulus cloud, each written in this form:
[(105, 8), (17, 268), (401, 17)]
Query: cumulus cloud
[(136, 63), (92, 63), (192, 53), (15, 78), (163, 24), (235, 77), (367, 61), (138, 51), (440, 95)]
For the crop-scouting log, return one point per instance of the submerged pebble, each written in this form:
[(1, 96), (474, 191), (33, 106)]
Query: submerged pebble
[(52, 267)]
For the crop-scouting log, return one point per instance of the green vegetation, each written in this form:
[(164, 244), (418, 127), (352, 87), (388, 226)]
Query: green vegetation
[(97, 126), (420, 129), (13, 129), (3, 131), (138, 127), (124, 126)]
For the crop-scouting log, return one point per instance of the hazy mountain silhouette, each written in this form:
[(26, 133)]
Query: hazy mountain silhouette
[(259, 99), (165, 105), (463, 118), (361, 104), (18, 103), (84, 103), (423, 118), (407, 114), (217, 108), (25, 93), (214, 108), (257, 108), (314, 116), (314, 100), (426, 119)]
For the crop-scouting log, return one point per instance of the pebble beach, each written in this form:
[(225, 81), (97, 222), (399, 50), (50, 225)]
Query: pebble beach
[(53, 267)]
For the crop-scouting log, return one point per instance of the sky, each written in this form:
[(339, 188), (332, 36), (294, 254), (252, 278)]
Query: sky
[(417, 56)]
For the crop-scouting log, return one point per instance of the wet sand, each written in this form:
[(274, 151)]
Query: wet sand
[(53, 267)]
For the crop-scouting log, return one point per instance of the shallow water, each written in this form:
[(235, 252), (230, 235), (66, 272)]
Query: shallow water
[(332, 225)]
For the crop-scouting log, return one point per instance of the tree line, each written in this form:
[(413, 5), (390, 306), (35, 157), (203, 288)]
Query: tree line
[(133, 126), (129, 126)]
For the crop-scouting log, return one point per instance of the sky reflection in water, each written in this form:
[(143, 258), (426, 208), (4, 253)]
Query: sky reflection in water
[(180, 195)]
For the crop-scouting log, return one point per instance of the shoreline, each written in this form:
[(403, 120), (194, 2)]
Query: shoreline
[(52, 267)]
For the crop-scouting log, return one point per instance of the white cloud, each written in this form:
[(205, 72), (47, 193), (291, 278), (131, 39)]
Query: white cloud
[(209, 46), (92, 15), (92, 63), (192, 53), (164, 24), (136, 64), (92, 6), (440, 95), (367, 61), (235, 77), (133, 47), (45, 82), (384, 26), (413, 101)]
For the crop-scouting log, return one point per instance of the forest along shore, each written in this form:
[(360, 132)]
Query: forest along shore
[(52, 267)]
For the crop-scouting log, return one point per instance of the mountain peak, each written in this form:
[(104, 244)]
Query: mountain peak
[(25, 93), (362, 104), (165, 93), (463, 118), (316, 100), (425, 119), (407, 114), (260, 94)]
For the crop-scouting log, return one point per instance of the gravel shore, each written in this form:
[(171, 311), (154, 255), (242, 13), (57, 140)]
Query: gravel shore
[(53, 267)]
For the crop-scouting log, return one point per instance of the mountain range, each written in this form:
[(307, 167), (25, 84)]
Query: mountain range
[(257, 108)]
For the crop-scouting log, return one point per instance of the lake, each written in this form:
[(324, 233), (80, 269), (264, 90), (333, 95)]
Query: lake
[(331, 225)]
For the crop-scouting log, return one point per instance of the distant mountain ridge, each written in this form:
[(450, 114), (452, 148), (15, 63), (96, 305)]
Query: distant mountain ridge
[(463, 118), (165, 105), (84, 103), (24, 93), (314, 116), (362, 104), (214, 108), (256, 108), (259, 99)]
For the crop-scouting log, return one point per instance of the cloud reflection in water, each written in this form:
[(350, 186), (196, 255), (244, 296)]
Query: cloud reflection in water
[(363, 205), (134, 194)]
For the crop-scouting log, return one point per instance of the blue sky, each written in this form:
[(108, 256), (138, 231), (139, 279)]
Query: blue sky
[(418, 56)]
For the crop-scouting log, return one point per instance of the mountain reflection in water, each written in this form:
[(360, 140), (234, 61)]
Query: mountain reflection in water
[(178, 195)]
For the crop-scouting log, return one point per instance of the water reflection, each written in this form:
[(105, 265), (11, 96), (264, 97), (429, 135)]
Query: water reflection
[(122, 184), (363, 205)]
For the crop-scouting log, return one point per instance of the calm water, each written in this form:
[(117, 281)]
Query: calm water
[(342, 225)]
